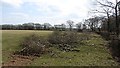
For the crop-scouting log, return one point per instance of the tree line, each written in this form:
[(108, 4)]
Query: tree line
[(46, 26), (92, 24)]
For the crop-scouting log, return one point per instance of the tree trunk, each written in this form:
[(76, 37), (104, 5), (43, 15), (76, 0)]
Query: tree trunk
[(108, 23), (117, 22)]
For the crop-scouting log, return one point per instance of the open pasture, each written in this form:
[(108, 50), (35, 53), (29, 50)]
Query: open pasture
[(93, 52)]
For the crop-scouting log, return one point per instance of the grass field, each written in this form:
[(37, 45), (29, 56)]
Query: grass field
[(92, 53), (12, 38)]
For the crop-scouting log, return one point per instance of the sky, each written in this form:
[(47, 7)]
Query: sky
[(43, 11)]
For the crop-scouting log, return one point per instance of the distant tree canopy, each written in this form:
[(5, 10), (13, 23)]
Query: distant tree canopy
[(27, 26), (38, 26), (60, 27)]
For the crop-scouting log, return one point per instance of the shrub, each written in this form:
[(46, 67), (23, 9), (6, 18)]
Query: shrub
[(105, 35), (67, 37), (115, 48), (84, 37), (34, 45), (64, 40)]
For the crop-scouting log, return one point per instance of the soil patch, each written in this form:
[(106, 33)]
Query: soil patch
[(19, 60)]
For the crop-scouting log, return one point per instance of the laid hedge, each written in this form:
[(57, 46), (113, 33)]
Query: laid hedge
[(33, 45), (65, 40), (61, 37)]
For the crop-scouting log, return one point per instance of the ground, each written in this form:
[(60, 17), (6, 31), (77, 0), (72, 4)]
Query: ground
[(93, 52)]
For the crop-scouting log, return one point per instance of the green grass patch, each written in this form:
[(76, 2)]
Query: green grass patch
[(11, 40), (92, 51)]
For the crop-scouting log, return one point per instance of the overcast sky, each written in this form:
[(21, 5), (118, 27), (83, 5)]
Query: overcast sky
[(44, 11)]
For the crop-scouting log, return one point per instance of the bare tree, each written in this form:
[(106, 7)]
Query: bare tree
[(70, 23), (112, 6), (90, 23), (117, 22), (105, 7)]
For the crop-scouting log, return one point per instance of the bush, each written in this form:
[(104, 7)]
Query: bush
[(34, 45), (64, 40), (105, 35), (115, 48), (67, 37)]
